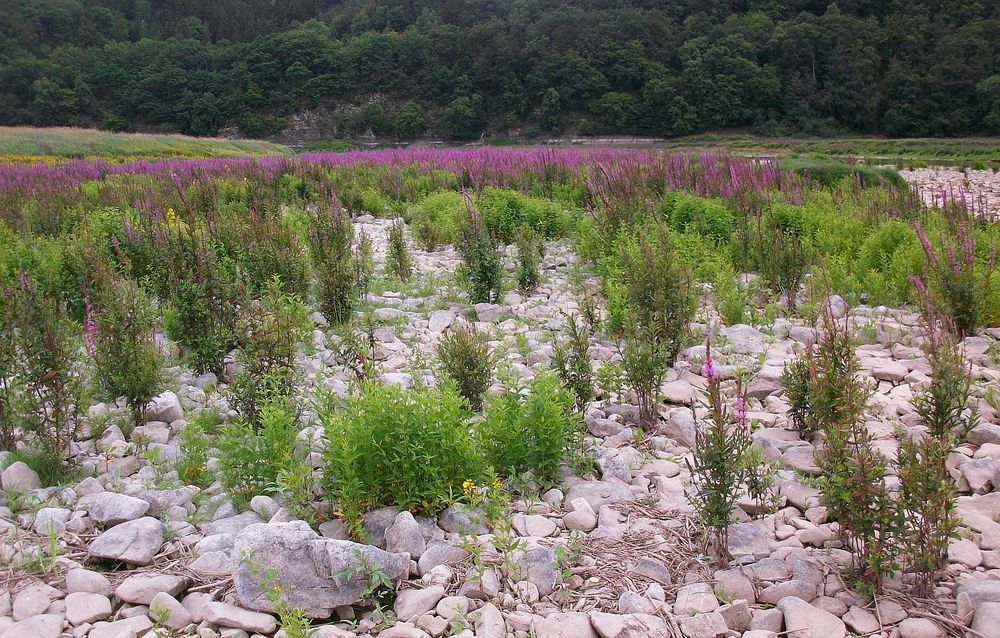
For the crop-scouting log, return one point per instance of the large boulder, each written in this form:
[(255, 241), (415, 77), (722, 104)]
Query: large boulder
[(135, 542), (315, 573)]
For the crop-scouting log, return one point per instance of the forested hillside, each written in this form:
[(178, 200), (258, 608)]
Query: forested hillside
[(459, 68)]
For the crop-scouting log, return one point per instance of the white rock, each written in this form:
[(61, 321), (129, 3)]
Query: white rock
[(83, 608)]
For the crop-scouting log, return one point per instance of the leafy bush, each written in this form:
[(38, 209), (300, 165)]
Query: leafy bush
[(706, 217), (482, 266), (531, 431), (658, 291), (854, 490), (467, 361), (397, 259), (389, 446), (44, 386), (330, 237), (724, 465), (253, 455), (955, 281), (927, 490), (645, 361), (797, 381), (195, 444), (121, 336), (571, 360), (529, 256), (364, 263), (782, 254), (203, 304), (504, 211), (434, 219), (270, 330)]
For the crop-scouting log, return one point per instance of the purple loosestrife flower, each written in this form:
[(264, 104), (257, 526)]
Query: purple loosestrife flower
[(708, 368)]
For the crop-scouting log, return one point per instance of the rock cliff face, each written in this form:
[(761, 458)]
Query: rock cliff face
[(308, 127)]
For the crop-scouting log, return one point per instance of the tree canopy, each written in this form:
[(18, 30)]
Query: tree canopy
[(460, 68)]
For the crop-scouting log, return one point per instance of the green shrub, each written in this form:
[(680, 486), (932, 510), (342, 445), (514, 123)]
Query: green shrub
[(251, 456), (783, 255), (531, 431), (482, 266), (529, 257), (389, 446), (571, 360), (724, 466), (330, 238), (645, 360), (203, 304), (44, 385), (504, 211), (854, 489), (397, 259), (956, 281), (195, 444), (434, 220), (270, 329), (121, 336), (467, 362), (927, 490), (707, 217), (658, 291)]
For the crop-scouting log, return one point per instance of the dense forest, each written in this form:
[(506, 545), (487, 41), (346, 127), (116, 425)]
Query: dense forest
[(461, 68)]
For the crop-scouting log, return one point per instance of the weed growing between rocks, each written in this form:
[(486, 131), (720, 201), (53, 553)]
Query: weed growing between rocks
[(254, 454), (330, 240), (531, 432), (854, 490), (927, 490), (723, 466), (529, 257), (465, 358), (120, 331), (390, 446), (44, 387), (398, 262), (571, 359), (270, 331), (644, 363), (482, 266), (955, 281)]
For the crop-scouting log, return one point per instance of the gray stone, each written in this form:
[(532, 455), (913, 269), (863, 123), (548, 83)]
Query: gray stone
[(598, 493), (412, 603), (706, 625), (802, 620), (18, 476), (135, 542), (537, 565), (376, 522), (42, 626), (140, 589), (440, 554), (629, 626), (459, 518), (110, 508), (797, 588), (747, 542), (51, 519), (84, 580), (173, 614), (695, 598), (565, 625), (228, 615), (166, 408), (926, 628), (33, 600), (86, 608), (317, 574), (737, 615), (231, 525)]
